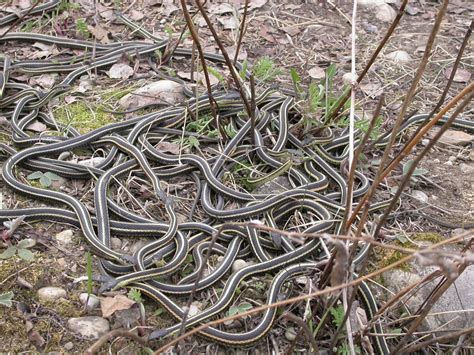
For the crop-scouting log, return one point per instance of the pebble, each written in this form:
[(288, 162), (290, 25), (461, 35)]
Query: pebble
[(436, 161), (420, 196), (68, 346), (425, 142), (238, 264), (195, 308), (449, 163), (466, 168), (116, 243), (89, 327), (385, 13), (65, 237), (92, 300), (471, 155), (452, 158), (51, 293), (398, 56), (290, 334)]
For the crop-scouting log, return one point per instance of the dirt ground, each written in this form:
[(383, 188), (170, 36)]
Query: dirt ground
[(306, 36)]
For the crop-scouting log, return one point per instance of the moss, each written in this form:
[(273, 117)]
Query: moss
[(82, 116), (66, 308), (387, 256), (427, 237)]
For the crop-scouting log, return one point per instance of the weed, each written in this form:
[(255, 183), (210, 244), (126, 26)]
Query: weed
[(81, 28), (265, 69), (45, 179)]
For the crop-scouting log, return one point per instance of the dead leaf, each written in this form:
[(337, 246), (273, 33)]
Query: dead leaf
[(317, 73), (229, 23), (36, 339), (37, 126), (69, 99), (264, 33), (164, 91), (168, 147), (223, 8), (24, 4), (255, 4), (461, 75), (109, 305), (42, 46), (120, 71), (104, 11), (46, 81), (100, 33), (372, 90), (292, 30), (136, 15)]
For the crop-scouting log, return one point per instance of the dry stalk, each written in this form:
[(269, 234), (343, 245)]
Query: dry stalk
[(227, 59), (372, 59), (94, 348), (309, 295), (196, 40), (242, 30)]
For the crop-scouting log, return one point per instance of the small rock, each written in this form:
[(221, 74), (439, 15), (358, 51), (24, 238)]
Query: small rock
[(370, 3), (466, 168), (452, 158), (92, 300), (290, 334), (195, 308), (92, 162), (276, 186), (65, 237), (449, 163), (89, 327), (164, 91), (68, 346), (116, 243), (238, 265), (457, 231), (425, 142), (61, 262), (436, 161), (420, 196), (51, 293), (399, 56), (471, 155), (385, 13), (453, 137)]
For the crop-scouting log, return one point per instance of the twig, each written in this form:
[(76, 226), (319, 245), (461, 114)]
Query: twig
[(241, 31), (199, 276), (196, 40), (19, 19), (94, 348), (253, 107), (372, 59), (423, 345), (309, 295), (408, 148), (224, 53), (426, 310), (305, 329)]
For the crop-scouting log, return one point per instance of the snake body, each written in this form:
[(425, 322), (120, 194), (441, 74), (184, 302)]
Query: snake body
[(318, 190)]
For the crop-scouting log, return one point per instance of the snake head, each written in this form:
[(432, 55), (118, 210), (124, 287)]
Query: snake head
[(159, 334)]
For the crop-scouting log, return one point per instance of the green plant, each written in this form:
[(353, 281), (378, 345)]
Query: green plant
[(21, 249), (81, 28), (265, 69), (45, 179), (6, 299), (241, 308), (416, 172), (218, 75), (65, 5), (337, 315), (135, 295)]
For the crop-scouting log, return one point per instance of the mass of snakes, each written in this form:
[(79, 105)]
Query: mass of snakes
[(130, 147)]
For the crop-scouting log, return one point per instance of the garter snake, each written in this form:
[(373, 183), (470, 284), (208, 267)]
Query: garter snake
[(317, 190)]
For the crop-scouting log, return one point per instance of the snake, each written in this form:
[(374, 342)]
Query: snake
[(316, 189)]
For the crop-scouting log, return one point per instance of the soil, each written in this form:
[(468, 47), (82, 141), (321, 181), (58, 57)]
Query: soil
[(294, 35)]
